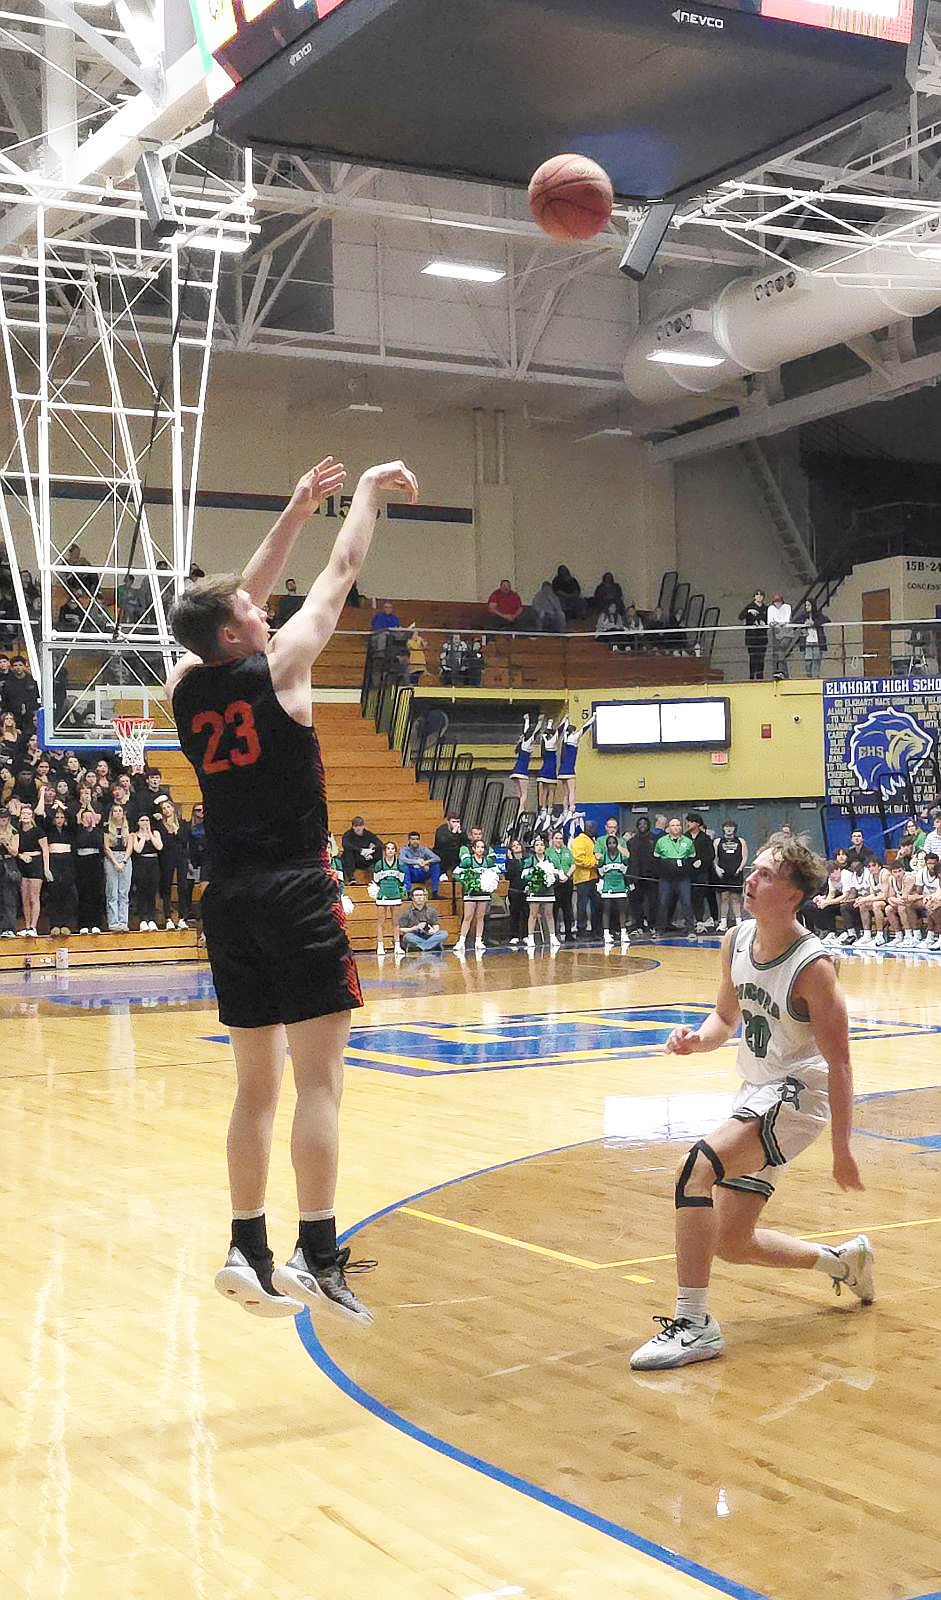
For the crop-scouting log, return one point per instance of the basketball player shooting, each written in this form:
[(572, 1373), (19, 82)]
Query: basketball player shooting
[(275, 930), (794, 1060)]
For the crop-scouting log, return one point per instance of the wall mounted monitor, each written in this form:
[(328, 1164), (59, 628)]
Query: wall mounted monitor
[(662, 725)]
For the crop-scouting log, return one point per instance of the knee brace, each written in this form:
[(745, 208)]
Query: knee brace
[(698, 1149)]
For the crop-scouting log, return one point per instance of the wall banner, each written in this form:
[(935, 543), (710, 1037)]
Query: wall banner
[(881, 739)]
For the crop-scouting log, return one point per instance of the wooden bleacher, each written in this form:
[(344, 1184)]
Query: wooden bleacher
[(575, 660)]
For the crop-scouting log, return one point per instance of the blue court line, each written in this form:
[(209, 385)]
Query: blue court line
[(568, 1508), (510, 1480)]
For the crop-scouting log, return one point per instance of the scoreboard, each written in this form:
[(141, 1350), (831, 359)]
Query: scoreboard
[(669, 96), (238, 37)]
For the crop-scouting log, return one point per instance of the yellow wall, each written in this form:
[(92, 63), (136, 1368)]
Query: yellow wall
[(789, 764)]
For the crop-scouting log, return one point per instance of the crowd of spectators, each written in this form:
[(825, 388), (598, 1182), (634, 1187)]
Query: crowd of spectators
[(85, 843), (772, 627), (564, 882), (870, 903), (559, 601)]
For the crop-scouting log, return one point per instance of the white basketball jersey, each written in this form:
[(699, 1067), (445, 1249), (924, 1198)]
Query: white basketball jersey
[(776, 1042)]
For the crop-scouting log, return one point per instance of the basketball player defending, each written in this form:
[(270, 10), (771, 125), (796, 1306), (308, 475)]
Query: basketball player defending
[(275, 930), (793, 1055)]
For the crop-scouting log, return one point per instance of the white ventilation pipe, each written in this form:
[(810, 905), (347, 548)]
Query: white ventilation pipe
[(756, 323)]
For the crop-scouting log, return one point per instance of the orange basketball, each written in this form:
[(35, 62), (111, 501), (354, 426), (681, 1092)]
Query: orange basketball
[(571, 197)]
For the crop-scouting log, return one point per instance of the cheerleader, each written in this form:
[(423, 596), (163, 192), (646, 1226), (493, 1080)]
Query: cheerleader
[(336, 867), (478, 877), (519, 777), (388, 891), (570, 737), (549, 771), (731, 860), (539, 878), (612, 889)]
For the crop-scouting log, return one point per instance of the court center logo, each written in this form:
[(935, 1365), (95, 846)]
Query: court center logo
[(887, 750)]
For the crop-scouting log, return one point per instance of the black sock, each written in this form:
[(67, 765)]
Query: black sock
[(318, 1241), (249, 1235)]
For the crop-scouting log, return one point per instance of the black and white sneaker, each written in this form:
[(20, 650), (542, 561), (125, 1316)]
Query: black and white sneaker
[(324, 1288), (249, 1283)]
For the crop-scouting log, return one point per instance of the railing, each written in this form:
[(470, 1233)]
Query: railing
[(660, 654)]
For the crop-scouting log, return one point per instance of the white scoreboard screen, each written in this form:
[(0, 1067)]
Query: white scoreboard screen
[(663, 724)]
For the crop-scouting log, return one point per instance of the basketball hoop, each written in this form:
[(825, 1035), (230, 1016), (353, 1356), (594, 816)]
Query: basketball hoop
[(132, 734)]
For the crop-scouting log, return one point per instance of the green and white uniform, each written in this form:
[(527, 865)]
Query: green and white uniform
[(468, 876), (612, 878), (539, 881), (390, 882), (467, 856), (784, 1076)]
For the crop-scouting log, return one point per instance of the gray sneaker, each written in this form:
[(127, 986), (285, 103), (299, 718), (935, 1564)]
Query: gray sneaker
[(324, 1288), (249, 1284)]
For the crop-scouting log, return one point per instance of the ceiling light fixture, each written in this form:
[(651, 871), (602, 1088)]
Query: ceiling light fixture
[(684, 358), (229, 244), (462, 272)]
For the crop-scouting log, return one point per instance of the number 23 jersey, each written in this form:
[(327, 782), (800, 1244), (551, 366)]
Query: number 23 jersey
[(260, 772), (776, 1036)]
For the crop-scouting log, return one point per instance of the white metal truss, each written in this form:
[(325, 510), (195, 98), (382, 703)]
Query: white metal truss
[(869, 237), (107, 336)]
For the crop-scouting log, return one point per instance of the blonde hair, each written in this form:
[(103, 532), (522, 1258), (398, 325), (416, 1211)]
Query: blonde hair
[(798, 860)]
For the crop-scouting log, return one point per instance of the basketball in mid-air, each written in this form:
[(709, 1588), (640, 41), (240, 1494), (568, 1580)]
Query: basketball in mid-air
[(571, 197)]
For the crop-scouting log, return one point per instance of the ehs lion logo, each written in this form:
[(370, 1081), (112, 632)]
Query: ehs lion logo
[(888, 749)]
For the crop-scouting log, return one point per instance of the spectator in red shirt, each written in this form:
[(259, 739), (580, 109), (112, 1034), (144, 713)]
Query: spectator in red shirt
[(505, 604)]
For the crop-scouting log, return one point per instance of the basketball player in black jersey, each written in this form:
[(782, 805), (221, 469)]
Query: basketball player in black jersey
[(275, 930)]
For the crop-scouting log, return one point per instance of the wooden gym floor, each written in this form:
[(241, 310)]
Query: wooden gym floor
[(510, 1132)]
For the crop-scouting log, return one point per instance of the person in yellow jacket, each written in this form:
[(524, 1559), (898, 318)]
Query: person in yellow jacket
[(587, 904)]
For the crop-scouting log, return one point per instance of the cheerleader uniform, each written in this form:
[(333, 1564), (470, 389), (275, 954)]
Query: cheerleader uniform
[(539, 879), (549, 771), (612, 888), (468, 876), (390, 882), (524, 750), (569, 754), (570, 739)]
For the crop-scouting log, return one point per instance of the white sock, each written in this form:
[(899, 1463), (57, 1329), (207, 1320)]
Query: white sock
[(691, 1303), (246, 1216), (829, 1262), (316, 1216)]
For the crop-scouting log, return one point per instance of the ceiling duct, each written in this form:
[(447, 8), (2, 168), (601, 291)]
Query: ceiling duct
[(755, 324)]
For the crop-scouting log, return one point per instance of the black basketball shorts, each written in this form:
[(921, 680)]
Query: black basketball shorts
[(277, 946)]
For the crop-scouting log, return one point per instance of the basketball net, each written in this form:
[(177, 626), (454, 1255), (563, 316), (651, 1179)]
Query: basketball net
[(132, 734)]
